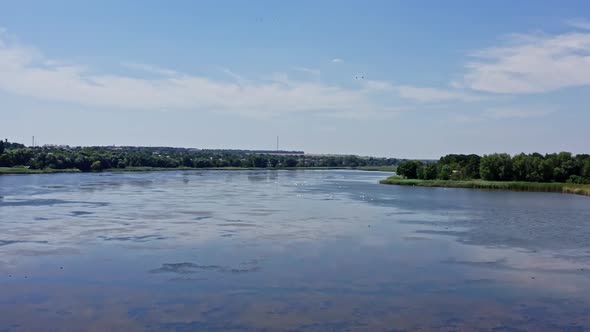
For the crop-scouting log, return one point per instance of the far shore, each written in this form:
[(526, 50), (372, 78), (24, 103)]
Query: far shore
[(566, 188), (23, 170)]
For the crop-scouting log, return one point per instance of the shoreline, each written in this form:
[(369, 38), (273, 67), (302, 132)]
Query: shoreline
[(556, 187), (27, 171)]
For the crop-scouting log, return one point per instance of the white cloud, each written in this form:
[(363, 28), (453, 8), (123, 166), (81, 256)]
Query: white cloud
[(374, 85), (531, 64), (518, 113), (150, 69), (435, 94), (580, 24), (337, 60), (27, 72), (504, 113), (422, 94)]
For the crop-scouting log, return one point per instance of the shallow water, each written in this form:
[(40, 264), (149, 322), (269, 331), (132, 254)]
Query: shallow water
[(286, 251)]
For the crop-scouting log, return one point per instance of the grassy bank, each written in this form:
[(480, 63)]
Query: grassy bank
[(22, 170), (377, 168), (568, 188)]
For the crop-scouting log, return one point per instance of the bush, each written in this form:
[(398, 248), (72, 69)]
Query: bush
[(96, 166), (576, 179)]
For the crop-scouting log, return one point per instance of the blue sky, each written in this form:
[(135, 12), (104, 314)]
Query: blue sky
[(414, 79)]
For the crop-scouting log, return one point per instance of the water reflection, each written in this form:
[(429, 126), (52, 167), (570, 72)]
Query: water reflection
[(286, 250)]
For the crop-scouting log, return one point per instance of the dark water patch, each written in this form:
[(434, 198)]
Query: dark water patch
[(9, 242), (41, 219), (192, 268), (256, 213), (187, 279), (80, 213), (41, 202), (143, 238), (238, 224), (443, 232), (478, 281), (54, 187), (399, 213), (197, 213), (416, 238), (498, 263), (139, 183)]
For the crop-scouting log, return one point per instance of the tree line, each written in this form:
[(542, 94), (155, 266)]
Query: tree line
[(100, 158), (534, 167)]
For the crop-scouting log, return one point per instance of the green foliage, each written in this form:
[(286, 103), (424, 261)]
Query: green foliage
[(291, 162), (496, 167), (96, 166), (1, 147), (557, 167), (409, 169), (578, 179), (431, 171), (134, 158), (445, 172), (585, 169)]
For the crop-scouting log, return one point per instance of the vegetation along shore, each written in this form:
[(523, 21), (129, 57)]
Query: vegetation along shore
[(16, 158), (559, 172)]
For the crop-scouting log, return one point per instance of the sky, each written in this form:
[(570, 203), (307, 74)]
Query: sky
[(407, 79)]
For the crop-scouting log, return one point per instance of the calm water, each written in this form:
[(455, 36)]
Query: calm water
[(286, 251)]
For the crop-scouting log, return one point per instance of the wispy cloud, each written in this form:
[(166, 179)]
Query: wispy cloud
[(579, 23), (423, 94), (149, 69), (531, 63), (504, 113), (518, 112), (315, 73), (435, 94), (337, 60), (26, 71)]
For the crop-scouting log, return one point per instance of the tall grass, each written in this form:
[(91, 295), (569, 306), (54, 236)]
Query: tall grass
[(568, 188)]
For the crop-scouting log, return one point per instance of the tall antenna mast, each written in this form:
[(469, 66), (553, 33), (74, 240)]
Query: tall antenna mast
[(33, 141), (277, 143)]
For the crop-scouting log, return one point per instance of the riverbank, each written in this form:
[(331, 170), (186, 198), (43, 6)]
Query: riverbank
[(566, 188), (22, 170)]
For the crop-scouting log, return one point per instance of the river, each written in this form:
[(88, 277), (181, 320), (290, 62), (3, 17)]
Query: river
[(306, 250)]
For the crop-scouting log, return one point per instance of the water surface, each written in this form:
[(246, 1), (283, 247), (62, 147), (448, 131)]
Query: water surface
[(286, 251)]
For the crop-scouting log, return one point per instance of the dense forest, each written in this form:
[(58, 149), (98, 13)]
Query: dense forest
[(100, 158), (556, 167)]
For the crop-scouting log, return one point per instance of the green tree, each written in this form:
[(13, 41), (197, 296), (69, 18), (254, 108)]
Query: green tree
[(96, 166), (585, 169), (290, 162), (409, 169), (445, 172), (496, 167), (431, 171)]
